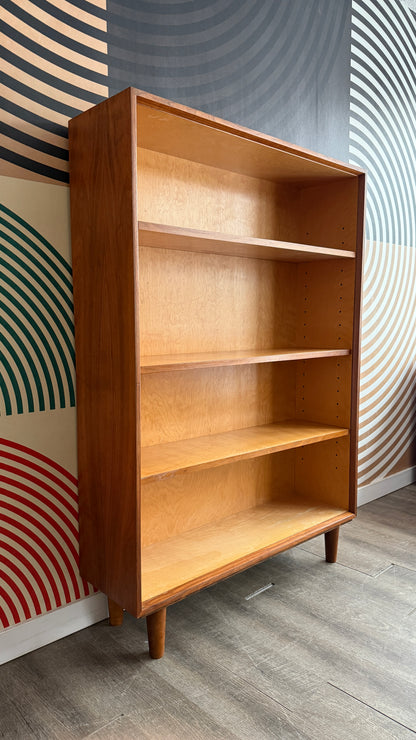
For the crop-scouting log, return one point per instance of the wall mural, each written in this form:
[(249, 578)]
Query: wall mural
[(54, 65), (280, 67), (383, 142), (36, 319), (38, 535)]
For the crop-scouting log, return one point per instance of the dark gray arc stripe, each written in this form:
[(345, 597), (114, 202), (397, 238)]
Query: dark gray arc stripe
[(383, 21), (370, 52), (48, 276), (33, 166), (376, 75), (45, 305), (72, 20), (23, 374), (51, 79), (140, 49), (228, 15), (67, 278), (13, 317), (13, 380), (55, 58), (380, 178), (27, 115), (56, 344), (66, 41), (293, 48), (30, 94), (29, 359), (34, 143), (40, 282)]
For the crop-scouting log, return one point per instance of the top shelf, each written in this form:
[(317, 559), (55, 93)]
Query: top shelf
[(194, 240)]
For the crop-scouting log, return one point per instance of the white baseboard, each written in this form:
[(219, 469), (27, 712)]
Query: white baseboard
[(39, 631), (387, 485)]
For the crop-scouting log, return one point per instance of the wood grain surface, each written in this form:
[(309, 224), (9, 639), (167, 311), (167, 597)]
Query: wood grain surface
[(103, 215), (166, 459), (191, 361), (169, 566), (196, 240)]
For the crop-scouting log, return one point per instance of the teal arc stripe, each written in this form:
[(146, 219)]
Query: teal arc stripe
[(15, 319), (32, 259), (29, 359), (42, 315), (22, 372), (29, 317), (12, 377), (43, 286), (40, 238)]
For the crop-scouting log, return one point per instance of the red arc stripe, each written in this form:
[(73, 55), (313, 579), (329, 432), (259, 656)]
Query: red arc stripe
[(33, 505), (32, 570), (16, 590), (42, 471), (39, 542), (39, 456), (42, 484)]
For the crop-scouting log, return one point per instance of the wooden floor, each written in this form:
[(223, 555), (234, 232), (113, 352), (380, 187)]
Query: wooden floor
[(327, 652)]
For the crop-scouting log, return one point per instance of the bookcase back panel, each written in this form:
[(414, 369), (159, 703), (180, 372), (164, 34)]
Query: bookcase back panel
[(323, 390), (178, 192), (325, 303), (194, 403), (322, 472), (190, 500), (192, 302), (328, 214)]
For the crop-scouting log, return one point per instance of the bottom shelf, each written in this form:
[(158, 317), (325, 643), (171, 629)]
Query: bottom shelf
[(214, 550)]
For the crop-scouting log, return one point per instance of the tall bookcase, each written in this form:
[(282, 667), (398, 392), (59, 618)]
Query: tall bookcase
[(217, 292)]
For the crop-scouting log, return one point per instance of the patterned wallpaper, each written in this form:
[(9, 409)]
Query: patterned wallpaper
[(337, 76)]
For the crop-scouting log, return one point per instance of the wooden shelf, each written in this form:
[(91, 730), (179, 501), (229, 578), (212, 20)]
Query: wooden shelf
[(219, 546), (191, 361), (159, 461), (195, 240)]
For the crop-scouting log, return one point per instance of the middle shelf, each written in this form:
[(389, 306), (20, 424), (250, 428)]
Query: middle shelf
[(191, 360), (161, 460)]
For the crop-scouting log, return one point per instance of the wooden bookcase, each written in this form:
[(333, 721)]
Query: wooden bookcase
[(217, 282)]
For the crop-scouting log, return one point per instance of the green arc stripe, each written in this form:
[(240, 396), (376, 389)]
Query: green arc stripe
[(34, 261), (45, 343), (6, 395), (38, 236), (22, 372), (44, 286), (23, 349), (13, 380), (48, 308), (36, 349)]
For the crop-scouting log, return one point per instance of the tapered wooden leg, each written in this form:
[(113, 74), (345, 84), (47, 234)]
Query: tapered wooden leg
[(156, 628), (331, 545), (116, 613)]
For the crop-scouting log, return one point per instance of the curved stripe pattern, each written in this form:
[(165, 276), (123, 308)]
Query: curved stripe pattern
[(38, 535), (54, 65), (383, 142), (37, 371), (258, 63)]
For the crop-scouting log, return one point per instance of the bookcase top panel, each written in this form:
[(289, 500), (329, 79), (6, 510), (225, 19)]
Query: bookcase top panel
[(183, 132)]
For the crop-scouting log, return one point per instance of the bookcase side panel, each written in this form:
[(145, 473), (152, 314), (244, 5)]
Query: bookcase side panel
[(104, 239)]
